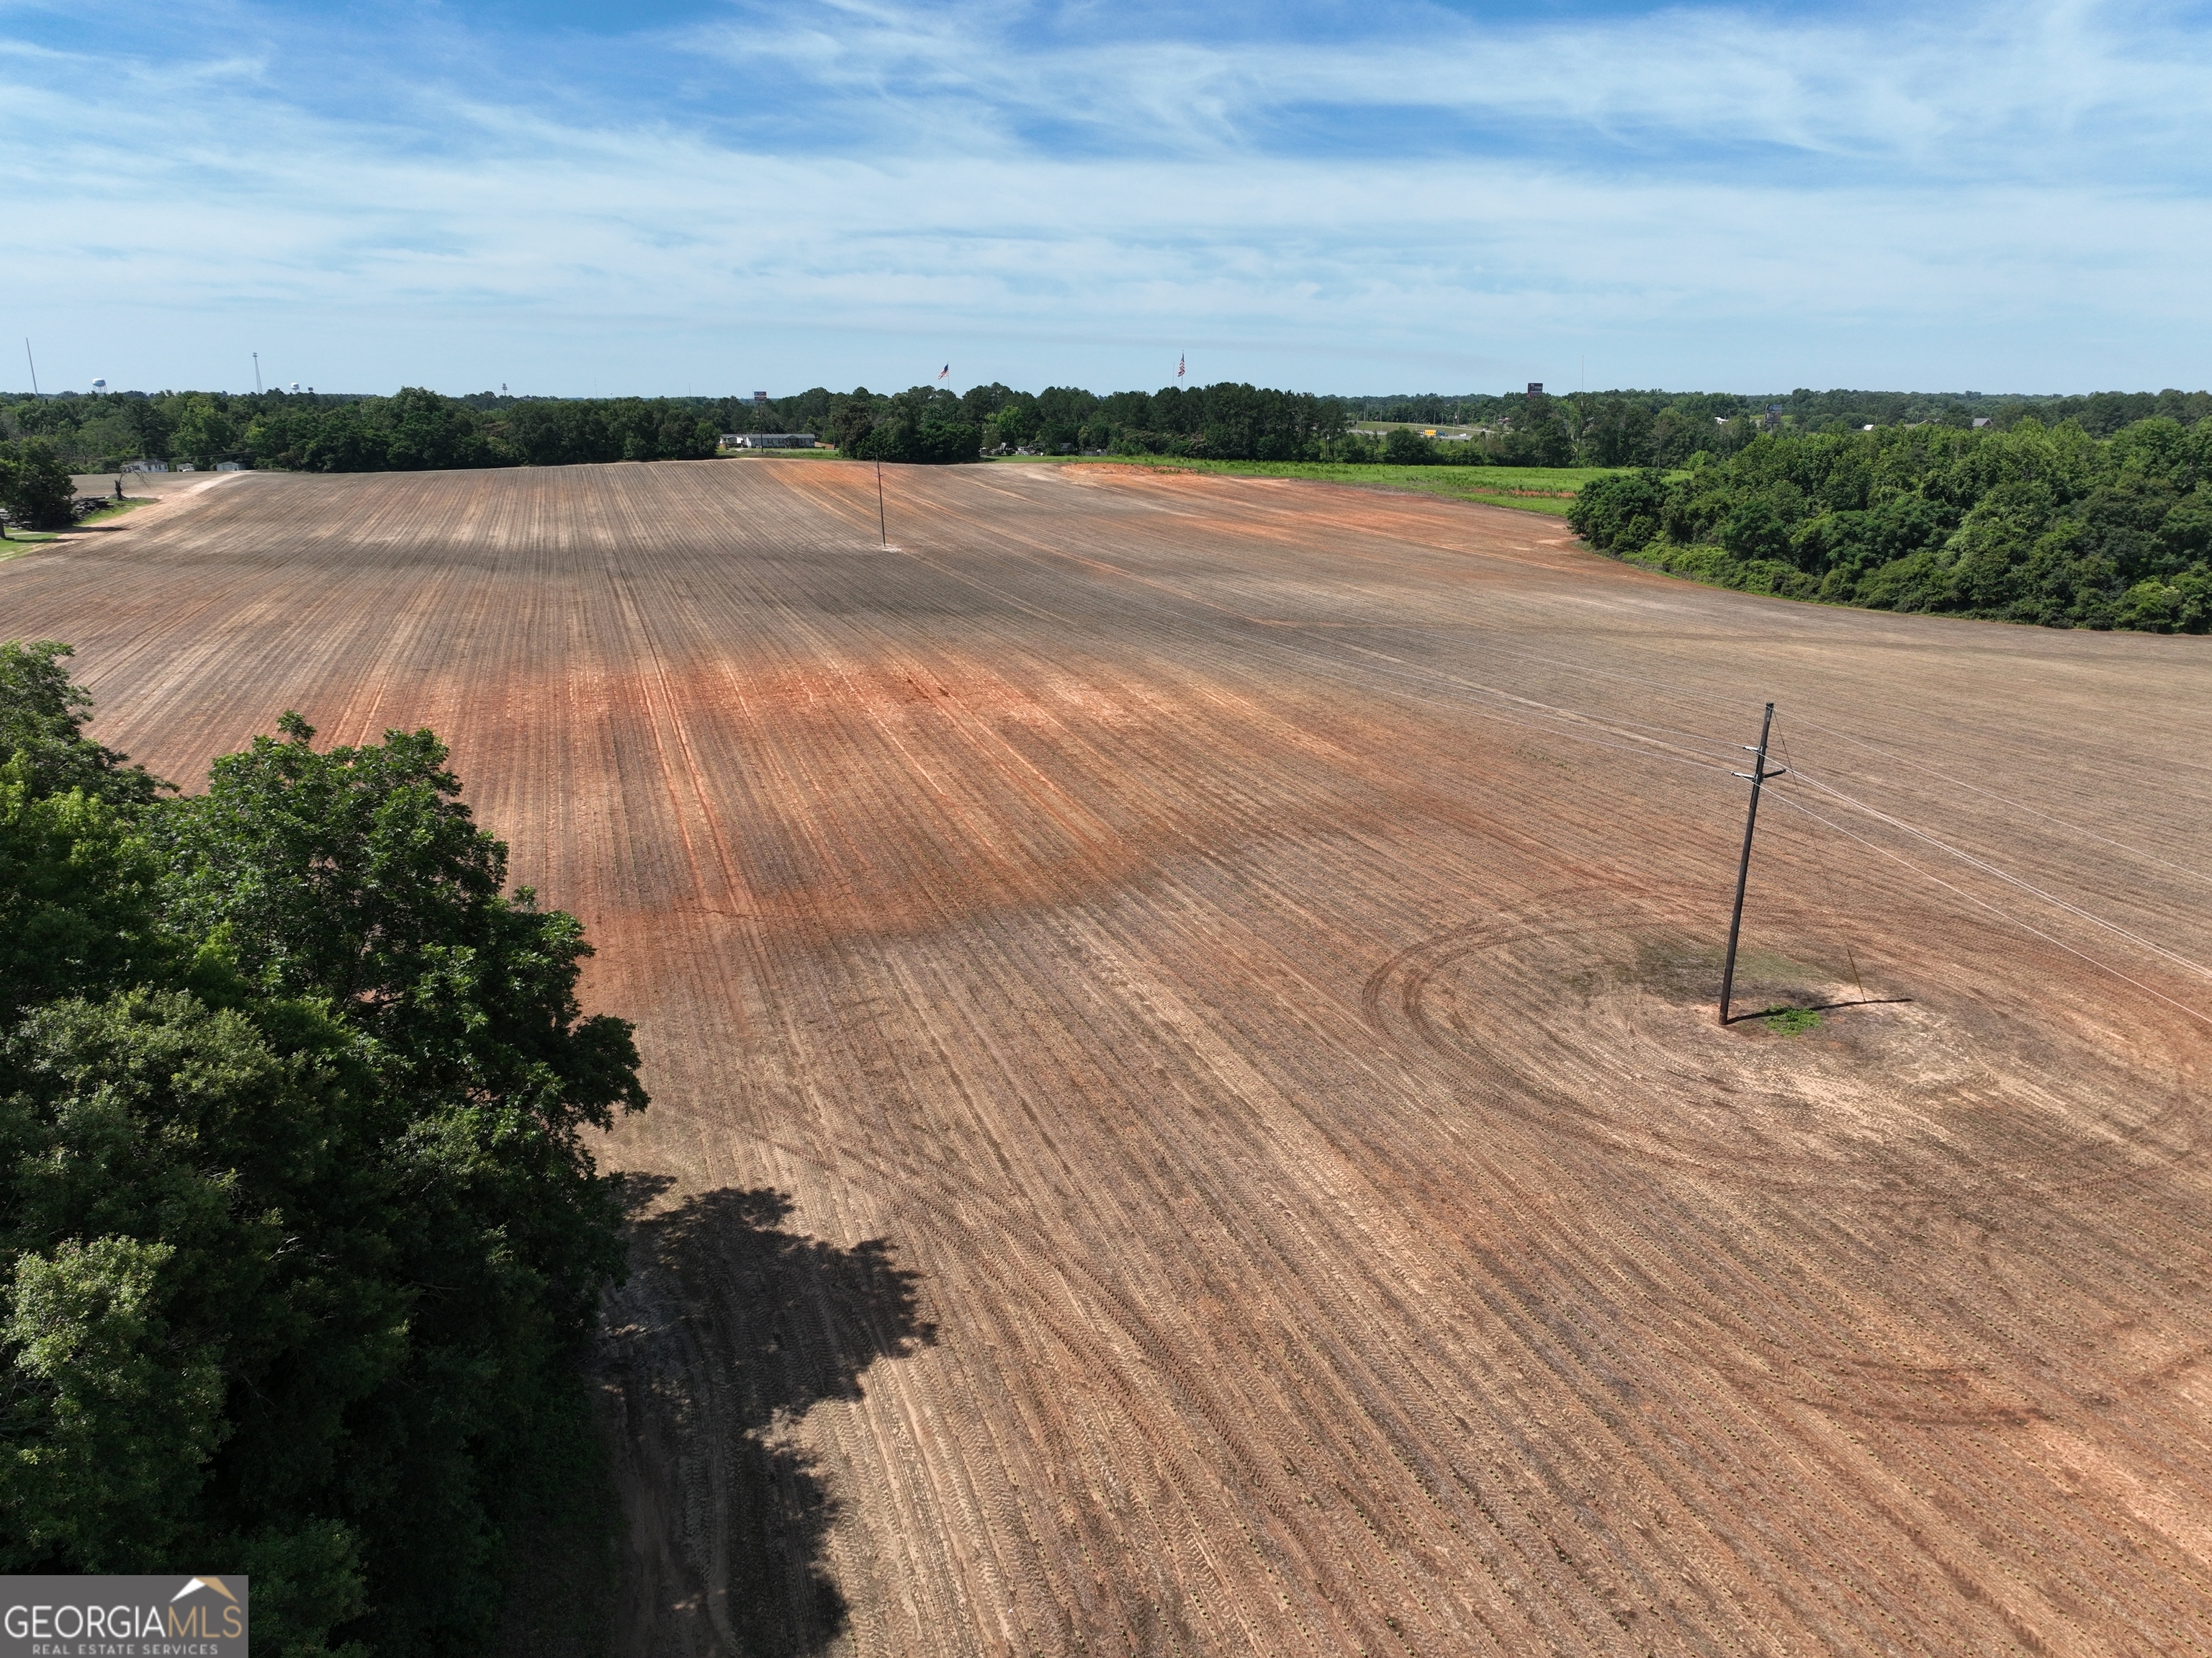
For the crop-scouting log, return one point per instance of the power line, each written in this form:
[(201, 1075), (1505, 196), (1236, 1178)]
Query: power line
[(2014, 805), (1534, 714), (1828, 906), (1995, 872), (2102, 966), (1679, 690), (2009, 879)]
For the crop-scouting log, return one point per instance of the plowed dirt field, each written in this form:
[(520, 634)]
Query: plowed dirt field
[(1188, 1112)]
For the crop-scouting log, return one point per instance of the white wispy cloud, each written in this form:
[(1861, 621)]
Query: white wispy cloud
[(1694, 196), (2020, 87)]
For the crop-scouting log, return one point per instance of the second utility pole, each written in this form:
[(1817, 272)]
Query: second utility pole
[(1757, 778), (882, 534)]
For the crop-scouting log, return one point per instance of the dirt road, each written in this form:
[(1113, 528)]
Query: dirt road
[(1187, 1116)]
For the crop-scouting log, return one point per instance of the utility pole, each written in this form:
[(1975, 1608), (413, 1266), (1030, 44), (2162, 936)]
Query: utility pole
[(1758, 776), (883, 534), (257, 374), (33, 361)]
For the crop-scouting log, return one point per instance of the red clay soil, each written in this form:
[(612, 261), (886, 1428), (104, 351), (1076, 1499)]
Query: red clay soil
[(1187, 1111)]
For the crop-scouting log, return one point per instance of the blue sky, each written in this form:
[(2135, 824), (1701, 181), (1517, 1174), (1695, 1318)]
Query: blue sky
[(723, 196)]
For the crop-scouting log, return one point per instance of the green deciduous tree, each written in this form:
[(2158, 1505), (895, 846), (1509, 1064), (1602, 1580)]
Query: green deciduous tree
[(42, 717), (35, 487), (298, 1229), (1404, 447), (206, 433), (1620, 514)]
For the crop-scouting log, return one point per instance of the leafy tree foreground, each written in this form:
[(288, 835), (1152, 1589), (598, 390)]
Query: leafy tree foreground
[(2036, 523), (299, 1236)]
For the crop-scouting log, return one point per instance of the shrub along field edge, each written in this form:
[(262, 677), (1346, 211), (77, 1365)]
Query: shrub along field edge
[(2036, 524)]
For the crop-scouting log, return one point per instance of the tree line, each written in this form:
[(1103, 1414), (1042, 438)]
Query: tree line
[(2038, 523), (1235, 421), (1665, 428), (414, 430), (300, 1237), (418, 428)]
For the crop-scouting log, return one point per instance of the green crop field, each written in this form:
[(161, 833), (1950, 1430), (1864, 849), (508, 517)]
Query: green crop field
[(1377, 428), (1532, 488)]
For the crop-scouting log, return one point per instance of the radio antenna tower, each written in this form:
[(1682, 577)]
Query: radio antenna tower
[(1758, 776)]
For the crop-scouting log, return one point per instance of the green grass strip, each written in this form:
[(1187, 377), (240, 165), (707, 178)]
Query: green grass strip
[(115, 509), (1548, 489)]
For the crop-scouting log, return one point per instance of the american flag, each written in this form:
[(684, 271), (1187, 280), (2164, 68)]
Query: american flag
[(946, 370), (1178, 367)]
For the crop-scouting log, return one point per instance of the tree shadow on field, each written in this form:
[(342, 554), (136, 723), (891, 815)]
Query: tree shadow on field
[(730, 1329)]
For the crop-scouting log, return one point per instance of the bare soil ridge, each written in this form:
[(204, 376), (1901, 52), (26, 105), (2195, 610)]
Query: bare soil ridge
[(1187, 1117)]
